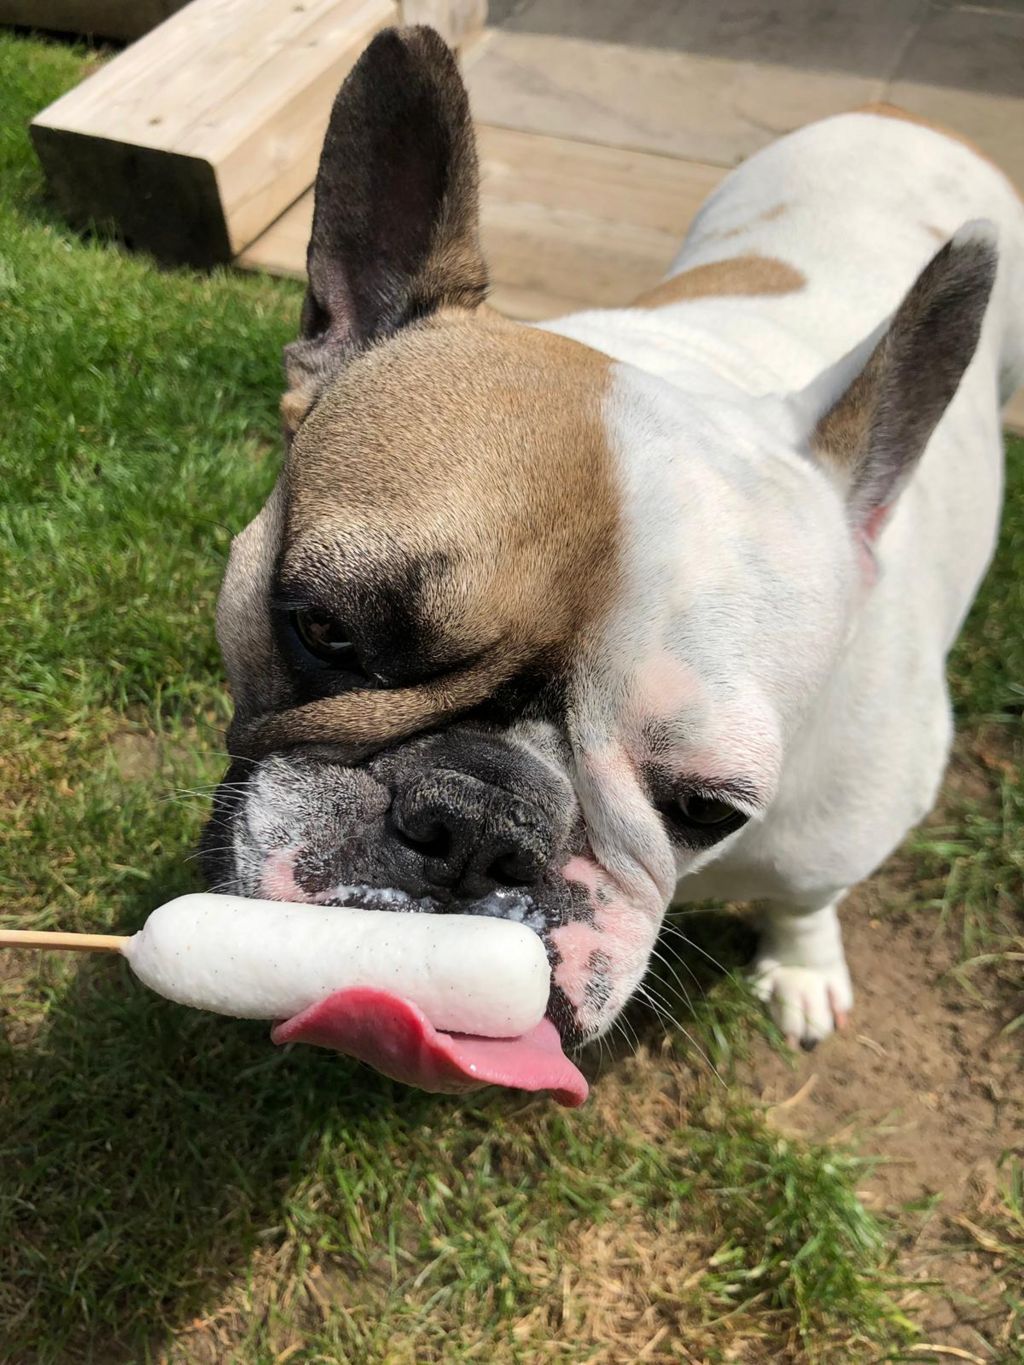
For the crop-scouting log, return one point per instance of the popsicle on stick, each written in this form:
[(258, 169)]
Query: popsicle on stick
[(446, 1002)]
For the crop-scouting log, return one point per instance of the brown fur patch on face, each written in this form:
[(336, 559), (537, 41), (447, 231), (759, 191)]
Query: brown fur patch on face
[(475, 447), (737, 276), (294, 406), (883, 110), (362, 721), (244, 633)]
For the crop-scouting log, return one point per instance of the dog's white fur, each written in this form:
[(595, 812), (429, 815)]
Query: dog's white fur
[(755, 633), (845, 722)]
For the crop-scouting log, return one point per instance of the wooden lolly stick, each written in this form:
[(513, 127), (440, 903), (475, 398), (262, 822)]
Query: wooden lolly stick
[(68, 943)]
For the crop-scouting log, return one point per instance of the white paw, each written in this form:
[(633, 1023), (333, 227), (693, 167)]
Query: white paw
[(807, 1003)]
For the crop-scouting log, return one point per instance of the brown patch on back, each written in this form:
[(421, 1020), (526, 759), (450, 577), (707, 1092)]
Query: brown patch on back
[(734, 277), (476, 447), (884, 110), (768, 216)]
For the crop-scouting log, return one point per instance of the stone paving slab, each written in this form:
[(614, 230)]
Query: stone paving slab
[(856, 37), (965, 69), (951, 61), (709, 109)]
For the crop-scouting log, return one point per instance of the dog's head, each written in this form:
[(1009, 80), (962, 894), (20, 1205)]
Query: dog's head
[(520, 631)]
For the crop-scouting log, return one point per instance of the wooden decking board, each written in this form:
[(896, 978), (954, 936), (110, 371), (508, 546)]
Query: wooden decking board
[(104, 18), (564, 224), (660, 193), (233, 95), (459, 22), (553, 225)]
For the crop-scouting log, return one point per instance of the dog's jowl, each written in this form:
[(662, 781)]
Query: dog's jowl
[(567, 622)]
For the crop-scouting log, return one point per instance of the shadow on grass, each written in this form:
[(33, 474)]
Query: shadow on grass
[(143, 1150), (698, 948), (147, 1150)]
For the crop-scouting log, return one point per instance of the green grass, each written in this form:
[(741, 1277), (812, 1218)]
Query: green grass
[(170, 1186)]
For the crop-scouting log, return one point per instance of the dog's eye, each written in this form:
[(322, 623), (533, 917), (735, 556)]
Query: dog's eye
[(705, 811), (699, 821), (326, 638)]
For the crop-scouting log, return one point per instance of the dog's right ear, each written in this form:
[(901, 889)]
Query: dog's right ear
[(395, 217), (878, 406)]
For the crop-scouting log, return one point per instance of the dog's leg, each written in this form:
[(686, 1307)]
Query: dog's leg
[(800, 971)]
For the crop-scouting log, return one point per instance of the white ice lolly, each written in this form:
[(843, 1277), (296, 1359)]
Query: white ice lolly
[(269, 960)]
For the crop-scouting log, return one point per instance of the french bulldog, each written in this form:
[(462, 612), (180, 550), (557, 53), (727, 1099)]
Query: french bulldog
[(569, 622)]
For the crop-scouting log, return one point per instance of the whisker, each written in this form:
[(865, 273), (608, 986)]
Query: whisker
[(676, 1024), (670, 967), (660, 1003), (181, 793), (691, 943), (629, 1033), (201, 852), (658, 1009), (681, 961), (699, 1051)]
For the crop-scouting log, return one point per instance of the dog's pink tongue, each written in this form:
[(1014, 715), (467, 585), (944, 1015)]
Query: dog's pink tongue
[(395, 1037)]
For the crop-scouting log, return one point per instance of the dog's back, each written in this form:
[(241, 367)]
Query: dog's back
[(797, 261), (806, 247), (857, 204), (798, 257)]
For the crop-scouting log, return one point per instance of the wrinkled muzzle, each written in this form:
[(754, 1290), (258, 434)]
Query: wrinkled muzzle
[(467, 821)]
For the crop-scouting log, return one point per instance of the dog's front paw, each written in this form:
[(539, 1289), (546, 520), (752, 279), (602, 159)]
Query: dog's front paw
[(807, 1003)]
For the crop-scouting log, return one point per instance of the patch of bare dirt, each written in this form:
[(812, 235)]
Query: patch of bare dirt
[(137, 755), (925, 1081), (141, 754)]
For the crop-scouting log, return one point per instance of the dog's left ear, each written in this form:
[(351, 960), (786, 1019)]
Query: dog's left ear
[(894, 388), (395, 217)]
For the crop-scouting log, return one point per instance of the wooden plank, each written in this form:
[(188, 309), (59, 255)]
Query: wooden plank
[(103, 18), (604, 183), (281, 250), (564, 225), (196, 137), (695, 107)]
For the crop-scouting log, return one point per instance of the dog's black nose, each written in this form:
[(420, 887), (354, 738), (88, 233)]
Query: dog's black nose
[(468, 836)]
